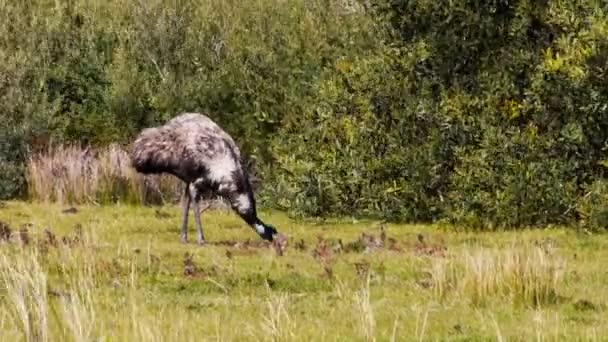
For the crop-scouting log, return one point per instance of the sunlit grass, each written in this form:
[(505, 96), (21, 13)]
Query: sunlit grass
[(120, 273)]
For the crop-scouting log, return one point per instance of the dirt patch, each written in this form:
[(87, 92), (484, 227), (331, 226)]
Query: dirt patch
[(323, 253), (190, 269), (71, 210), (300, 245), (280, 243), (49, 238), (423, 247), (241, 244), (161, 214), (586, 305), (367, 243), (75, 238), (5, 231), (249, 247), (24, 235)]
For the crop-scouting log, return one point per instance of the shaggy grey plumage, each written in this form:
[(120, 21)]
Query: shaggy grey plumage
[(196, 150)]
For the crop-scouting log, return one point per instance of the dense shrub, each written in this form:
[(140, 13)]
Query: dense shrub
[(593, 206), (12, 158), (488, 114), (351, 150)]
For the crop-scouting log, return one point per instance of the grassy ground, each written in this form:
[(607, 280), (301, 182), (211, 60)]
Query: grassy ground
[(119, 273)]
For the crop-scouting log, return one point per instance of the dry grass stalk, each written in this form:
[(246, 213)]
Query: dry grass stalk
[(276, 322), (523, 274), (26, 289), (366, 312), (76, 175)]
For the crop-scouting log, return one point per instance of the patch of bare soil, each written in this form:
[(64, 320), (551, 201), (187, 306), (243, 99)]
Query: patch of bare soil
[(71, 210), (190, 269), (250, 247), (44, 241), (280, 243), (161, 214), (369, 242), (24, 235), (423, 247), (5, 231)]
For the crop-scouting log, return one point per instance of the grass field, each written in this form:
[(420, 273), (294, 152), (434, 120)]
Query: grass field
[(119, 273)]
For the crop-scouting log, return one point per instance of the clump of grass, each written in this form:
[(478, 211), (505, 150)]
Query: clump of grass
[(528, 275), (77, 310), (76, 175), (367, 322), (26, 290), (276, 322)]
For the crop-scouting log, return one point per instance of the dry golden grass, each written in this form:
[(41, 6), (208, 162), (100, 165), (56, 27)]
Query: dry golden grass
[(519, 274), (75, 175)]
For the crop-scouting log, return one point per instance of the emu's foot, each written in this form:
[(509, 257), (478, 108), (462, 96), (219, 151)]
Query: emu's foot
[(183, 239), (201, 242)]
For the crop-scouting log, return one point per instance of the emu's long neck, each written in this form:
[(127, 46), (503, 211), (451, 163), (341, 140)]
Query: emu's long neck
[(244, 205), (243, 201)]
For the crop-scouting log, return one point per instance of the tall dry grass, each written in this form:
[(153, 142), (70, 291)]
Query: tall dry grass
[(26, 295), (276, 322), (76, 175), (59, 295), (367, 322), (529, 275)]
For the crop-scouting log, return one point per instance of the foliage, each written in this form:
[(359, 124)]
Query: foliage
[(593, 206), (484, 114), (12, 157), (98, 176)]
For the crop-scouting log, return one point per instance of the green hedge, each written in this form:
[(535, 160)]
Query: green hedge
[(489, 114)]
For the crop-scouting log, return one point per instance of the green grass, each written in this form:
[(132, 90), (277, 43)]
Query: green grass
[(122, 278)]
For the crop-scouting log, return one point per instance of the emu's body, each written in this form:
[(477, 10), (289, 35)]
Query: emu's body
[(196, 150)]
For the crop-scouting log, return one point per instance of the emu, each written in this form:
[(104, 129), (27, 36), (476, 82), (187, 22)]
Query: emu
[(196, 150)]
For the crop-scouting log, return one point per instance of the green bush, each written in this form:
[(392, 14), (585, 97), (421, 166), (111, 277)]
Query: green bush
[(350, 151), (483, 114), (593, 206), (12, 162)]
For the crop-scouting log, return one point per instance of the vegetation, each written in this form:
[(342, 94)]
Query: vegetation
[(486, 114), (119, 273), (364, 115), (96, 176)]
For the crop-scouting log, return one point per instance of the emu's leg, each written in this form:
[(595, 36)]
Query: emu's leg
[(183, 237), (197, 213)]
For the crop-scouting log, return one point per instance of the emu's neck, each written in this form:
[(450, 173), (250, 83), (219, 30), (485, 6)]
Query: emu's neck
[(250, 216)]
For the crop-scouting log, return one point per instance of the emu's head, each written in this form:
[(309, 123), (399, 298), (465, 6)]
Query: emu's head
[(266, 231)]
